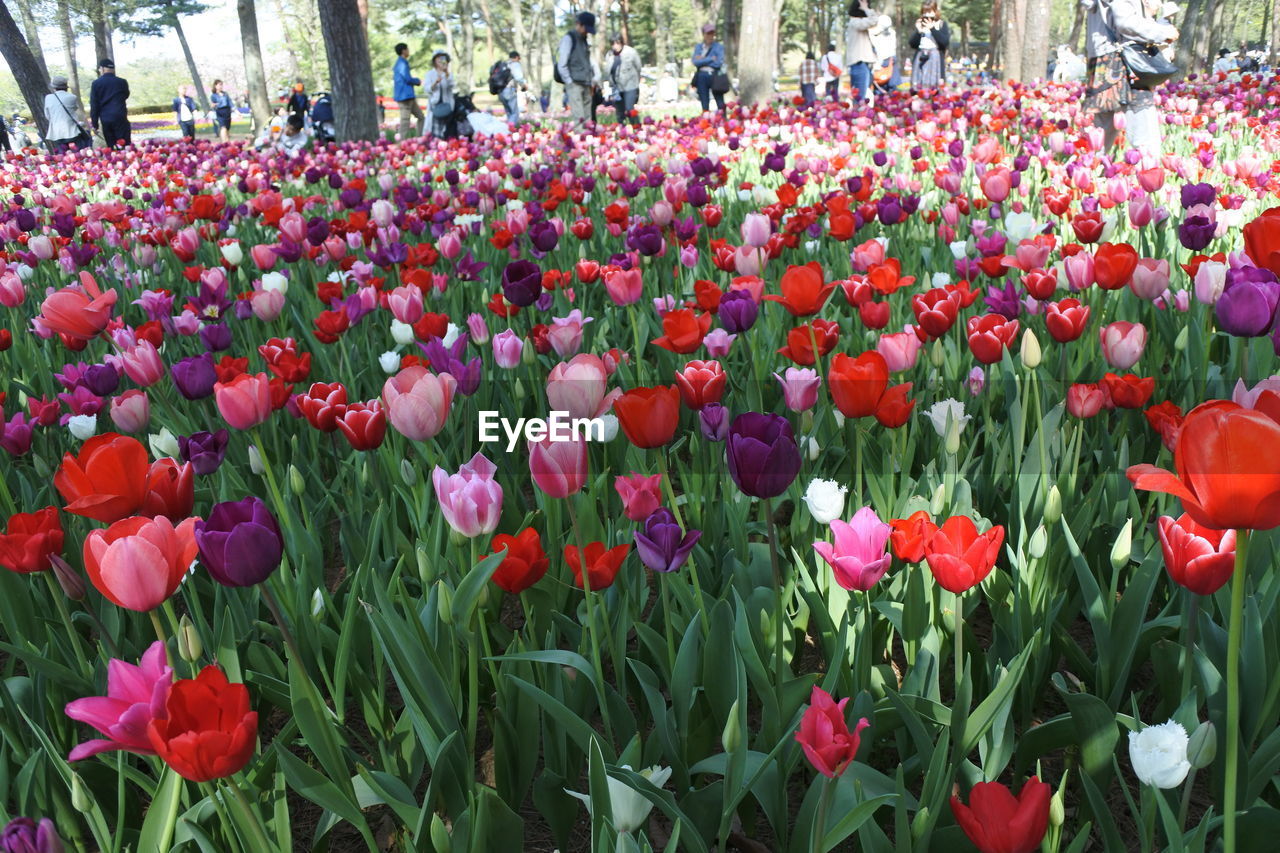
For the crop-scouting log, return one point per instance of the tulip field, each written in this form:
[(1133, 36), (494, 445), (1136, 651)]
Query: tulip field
[(894, 479)]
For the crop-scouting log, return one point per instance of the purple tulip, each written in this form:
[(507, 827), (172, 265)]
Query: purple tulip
[(240, 542), (1193, 194), (521, 283), (1247, 307), (101, 379), (195, 376), (204, 450), (15, 435), (216, 337), (713, 418), (1196, 232), (646, 239), (543, 236), (24, 835), (663, 546), (738, 311), (763, 456)]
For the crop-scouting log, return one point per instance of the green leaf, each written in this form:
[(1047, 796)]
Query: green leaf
[(309, 783), (162, 814), (853, 819), (467, 596)]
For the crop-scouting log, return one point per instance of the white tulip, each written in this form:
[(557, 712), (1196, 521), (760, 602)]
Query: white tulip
[(451, 334), (232, 253), (610, 421), (275, 281), (83, 426), (940, 279), (389, 362), (825, 499), (946, 413), (630, 807), (959, 249), (163, 444), (1159, 754), (401, 333), (255, 461)]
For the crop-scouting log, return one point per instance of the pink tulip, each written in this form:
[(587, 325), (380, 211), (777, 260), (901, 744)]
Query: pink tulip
[(559, 468), (1079, 270), (662, 213), (187, 241), (418, 402), (478, 328), (142, 363), (996, 185), (507, 349), (12, 291), (245, 401), (264, 256), (471, 499), (1122, 343), (136, 695), (267, 304), (867, 255), (900, 350), (1141, 212), (449, 245), (565, 333), (405, 303), (293, 227), (78, 312), (756, 230), (858, 558), (1150, 278), (718, 342), (640, 495), (131, 411), (747, 260), (382, 212), (580, 387), (624, 286), (799, 388), (1211, 280)]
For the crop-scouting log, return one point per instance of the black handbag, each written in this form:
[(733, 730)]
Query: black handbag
[(1146, 63), (720, 83)]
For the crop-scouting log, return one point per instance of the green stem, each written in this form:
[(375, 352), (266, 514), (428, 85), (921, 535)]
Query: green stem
[(820, 825), (60, 601), (259, 833), (1148, 817), (285, 634), (592, 632), (1189, 639), (164, 641), (779, 641), (958, 616), (1234, 630)]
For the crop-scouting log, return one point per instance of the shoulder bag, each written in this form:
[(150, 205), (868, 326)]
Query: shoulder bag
[(81, 140), (1146, 63)]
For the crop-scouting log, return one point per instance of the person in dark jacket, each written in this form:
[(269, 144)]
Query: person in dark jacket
[(573, 62), (299, 104), (184, 110), (222, 107), (108, 105), (930, 42)]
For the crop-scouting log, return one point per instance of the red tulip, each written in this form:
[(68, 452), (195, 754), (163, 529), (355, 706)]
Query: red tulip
[(364, 425), (997, 822), (683, 330), (824, 735), (800, 340), (1228, 473), (207, 730), (894, 408), (989, 335), (601, 565), (1085, 400), (525, 563), (857, 384), (170, 490), (1066, 320), (960, 557), (284, 360), (1088, 226), (1262, 240), (1040, 284), (649, 416), (910, 535), (700, 383), (874, 315), (1166, 419), (323, 405), (1128, 391), (1113, 265), (804, 290), (30, 539), (1196, 557), (107, 481), (935, 311), (78, 312), (245, 401)]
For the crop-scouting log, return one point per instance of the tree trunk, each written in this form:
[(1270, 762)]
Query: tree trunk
[(1014, 22), (466, 56), (1275, 32), (1214, 32), (1035, 53), (191, 64), (295, 67), (1187, 33), (254, 74), (757, 52), (487, 14), (662, 38), (32, 31), (355, 109), (22, 64), (624, 20), (730, 28), (1077, 27), (101, 28), (995, 48), (69, 45)]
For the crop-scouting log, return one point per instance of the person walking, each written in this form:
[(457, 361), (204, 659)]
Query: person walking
[(439, 86), (810, 74), (184, 111), (885, 75), (930, 42), (859, 50), (64, 118), (222, 107), (108, 105), (516, 83), (403, 83), (1109, 90), (832, 67), (624, 73), (708, 61), (573, 67), (298, 103)]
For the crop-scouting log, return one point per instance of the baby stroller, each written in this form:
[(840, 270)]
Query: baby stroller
[(322, 118)]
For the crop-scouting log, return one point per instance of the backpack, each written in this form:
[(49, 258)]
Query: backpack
[(499, 77)]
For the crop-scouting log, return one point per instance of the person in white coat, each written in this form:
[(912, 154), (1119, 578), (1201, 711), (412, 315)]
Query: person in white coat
[(859, 51), (64, 117), (832, 65)]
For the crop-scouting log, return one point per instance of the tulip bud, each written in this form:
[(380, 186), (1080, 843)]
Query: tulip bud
[(1123, 548), (83, 427), (425, 572), (296, 484), (952, 443), (255, 461), (806, 421), (440, 835), (529, 354), (610, 422), (389, 362), (839, 418), (1180, 342), (1039, 542), (1057, 809), (163, 444), (408, 473), (938, 354), (317, 603), (1030, 350), (364, 471), (939, 501), (81, 799), (68, 578), (1202, 748), (189, 646), (731, 737), (401, 333), (445, 603), (1053, 506)]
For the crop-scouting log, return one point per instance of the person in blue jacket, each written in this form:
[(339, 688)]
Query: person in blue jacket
[(108, 105), (222, 107), (184, 111), (708, 60), (404, 95)]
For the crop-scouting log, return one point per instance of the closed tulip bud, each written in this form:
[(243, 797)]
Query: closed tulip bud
[(444, 602), (1180, 342), (189, 646), (163, 444), (1202, 748), (408, 473), (1039, 542), (83, 427), (424, 565), (81, 799), (731, 737), (68, 578), (1030, 350), (806, 421), (389, 362), (364, 472), (255, 461), (937, 354), (1057, 809), (440, 835), (317, 604), (297, 485), (952, 443), (1053, 506), (939, 501), (1123, 548)]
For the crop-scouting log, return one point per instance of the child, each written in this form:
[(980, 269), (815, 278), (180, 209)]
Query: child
[(294, 138)]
